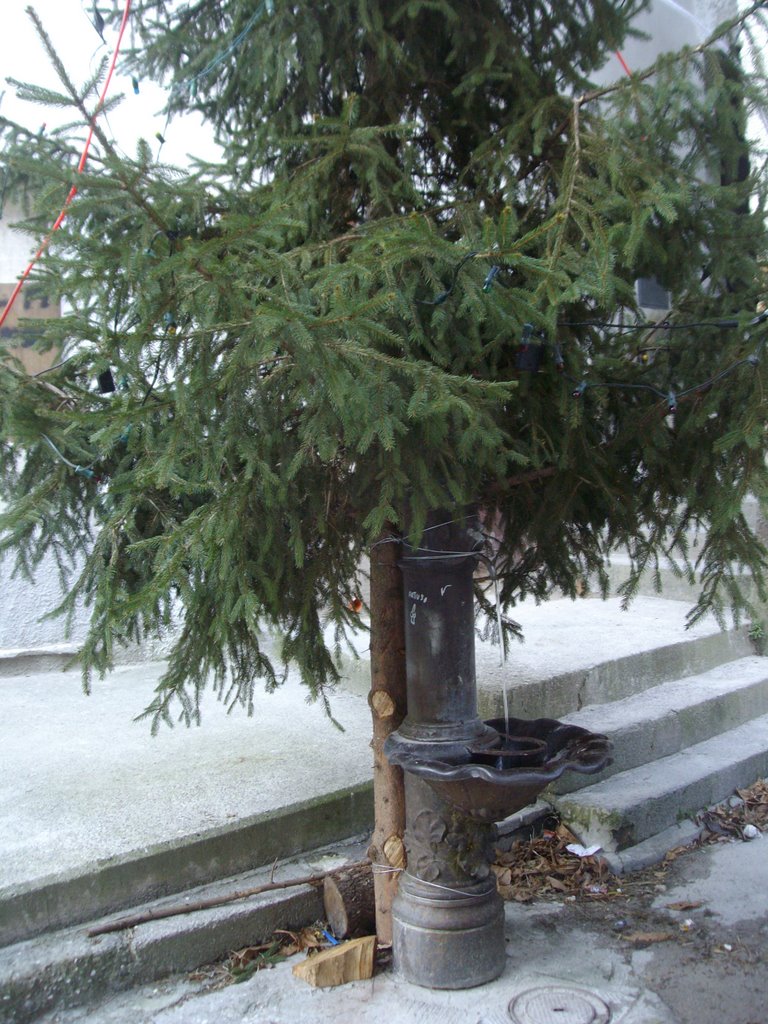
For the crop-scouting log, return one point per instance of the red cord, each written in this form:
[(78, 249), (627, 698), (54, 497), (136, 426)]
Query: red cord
[(80, 167), (623, 63)]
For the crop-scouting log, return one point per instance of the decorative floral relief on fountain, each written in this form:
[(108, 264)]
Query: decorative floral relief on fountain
[(471, 845), (423, 840), (459, 850)]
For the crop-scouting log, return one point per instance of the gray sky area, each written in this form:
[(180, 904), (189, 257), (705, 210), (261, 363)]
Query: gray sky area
[(69, 23)]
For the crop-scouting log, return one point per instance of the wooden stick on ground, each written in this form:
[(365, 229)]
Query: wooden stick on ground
[(215, 901)]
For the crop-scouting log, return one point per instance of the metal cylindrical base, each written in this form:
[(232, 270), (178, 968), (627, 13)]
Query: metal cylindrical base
[(450, 941)]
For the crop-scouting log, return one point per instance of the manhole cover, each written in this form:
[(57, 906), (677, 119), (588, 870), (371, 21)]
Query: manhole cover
[(558, 1005)]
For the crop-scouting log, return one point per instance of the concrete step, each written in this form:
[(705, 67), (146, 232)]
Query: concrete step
[(607, 676), (668, 583), (633, 806), (114, 884), (672, 716), (67, 968), (96, 814), (24, 661), (582, 652)]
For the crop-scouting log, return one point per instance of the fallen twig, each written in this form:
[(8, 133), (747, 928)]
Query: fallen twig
[(215, 901)]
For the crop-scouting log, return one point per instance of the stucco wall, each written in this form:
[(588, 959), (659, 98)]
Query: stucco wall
[(22, 604)]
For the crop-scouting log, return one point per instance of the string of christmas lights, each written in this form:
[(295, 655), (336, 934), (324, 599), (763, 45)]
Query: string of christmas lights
[(190, 83), (531, 352), (86, 471), (528, 360)]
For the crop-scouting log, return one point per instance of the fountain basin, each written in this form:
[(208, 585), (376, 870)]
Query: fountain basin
[(489, 784)]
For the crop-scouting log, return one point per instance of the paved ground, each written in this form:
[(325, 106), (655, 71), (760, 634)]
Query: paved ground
[(84, 789), (712, 969)]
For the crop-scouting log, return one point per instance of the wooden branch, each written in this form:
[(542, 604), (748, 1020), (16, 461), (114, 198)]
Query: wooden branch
[(350, 961), (215, 901), (531, 476)]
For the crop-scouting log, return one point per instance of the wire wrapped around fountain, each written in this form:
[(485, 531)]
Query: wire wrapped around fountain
[(489, 783)]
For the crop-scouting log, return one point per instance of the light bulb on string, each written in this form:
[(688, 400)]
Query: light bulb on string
[(106, 382), (489, 278), (531, 350)]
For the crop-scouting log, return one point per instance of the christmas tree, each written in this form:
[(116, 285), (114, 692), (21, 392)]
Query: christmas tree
[(407, 285)]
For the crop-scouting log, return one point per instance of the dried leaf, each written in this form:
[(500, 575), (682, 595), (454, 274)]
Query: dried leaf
[(646, 938), (557, 884), (685, 905), (566, 835), (503, 874)]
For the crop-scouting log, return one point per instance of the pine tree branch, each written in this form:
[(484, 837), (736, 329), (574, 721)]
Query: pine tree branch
[(91, 119), (641, 76), (27, 378), (624, 83)]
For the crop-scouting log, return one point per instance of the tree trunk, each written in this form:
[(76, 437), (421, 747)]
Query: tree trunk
[(387, 700)]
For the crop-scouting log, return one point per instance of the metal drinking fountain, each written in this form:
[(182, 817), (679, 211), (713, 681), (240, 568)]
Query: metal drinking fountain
[(461, 774)]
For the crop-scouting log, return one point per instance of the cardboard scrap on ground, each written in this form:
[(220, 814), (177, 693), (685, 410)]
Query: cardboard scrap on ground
[(648, 938)]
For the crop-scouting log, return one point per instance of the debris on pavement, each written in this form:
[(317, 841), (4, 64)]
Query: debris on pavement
[(552, 865), (743, 816), (242, 964), (556, 865)]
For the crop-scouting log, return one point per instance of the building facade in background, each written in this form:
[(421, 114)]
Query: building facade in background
[(17, 336)]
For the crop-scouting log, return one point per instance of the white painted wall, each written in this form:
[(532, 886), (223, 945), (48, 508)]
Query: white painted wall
[(22, 604)]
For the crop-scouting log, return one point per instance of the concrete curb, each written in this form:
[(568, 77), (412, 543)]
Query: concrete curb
[(654, 850), (178, 865), (25, 661)]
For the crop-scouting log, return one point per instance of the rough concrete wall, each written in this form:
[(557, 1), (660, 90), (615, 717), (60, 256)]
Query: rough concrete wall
[(23, 603)]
